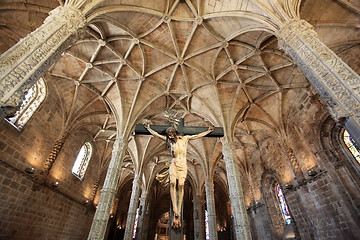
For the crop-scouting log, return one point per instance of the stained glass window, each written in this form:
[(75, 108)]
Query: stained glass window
[(136, 223), (34, 97), (352, 146), (282, 204), (207, 232), (82, 161)]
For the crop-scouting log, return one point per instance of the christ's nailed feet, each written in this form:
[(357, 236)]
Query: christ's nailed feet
[(176, 222)]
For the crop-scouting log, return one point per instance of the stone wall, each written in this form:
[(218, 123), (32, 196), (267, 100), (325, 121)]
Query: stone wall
[(323, 206), (260, 222), (32, 145), (61, 171), (30, 208), (320, 210), (42, 214)]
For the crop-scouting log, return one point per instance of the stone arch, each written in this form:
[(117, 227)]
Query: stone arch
[(269, 182), (339, 161)]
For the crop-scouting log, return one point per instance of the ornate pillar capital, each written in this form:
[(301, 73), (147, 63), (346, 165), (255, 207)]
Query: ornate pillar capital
[(228, 147), (209, 185), (72, 17), (294, 28)]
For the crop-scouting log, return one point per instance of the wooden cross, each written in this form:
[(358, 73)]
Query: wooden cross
[(181, 129)]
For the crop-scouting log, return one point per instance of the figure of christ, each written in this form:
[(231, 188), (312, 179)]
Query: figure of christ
[(178, 166)]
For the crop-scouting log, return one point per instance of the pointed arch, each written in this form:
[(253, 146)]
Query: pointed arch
[(32, 101)]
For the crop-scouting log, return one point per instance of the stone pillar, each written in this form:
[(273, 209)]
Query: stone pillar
[(211, 211), (336, 82), (142, 213), (133, 206), (23, 64), (102, 214), (241, 225), (199, 217), (145, 225)]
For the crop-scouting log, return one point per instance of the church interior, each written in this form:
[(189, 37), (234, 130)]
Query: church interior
[(73, 167)]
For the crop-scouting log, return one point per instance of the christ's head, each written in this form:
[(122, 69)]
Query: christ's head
[(171, 133)]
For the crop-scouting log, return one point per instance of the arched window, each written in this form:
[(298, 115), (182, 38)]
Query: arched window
[(282, 204), (32, 101), (82, 161), (351, 145)]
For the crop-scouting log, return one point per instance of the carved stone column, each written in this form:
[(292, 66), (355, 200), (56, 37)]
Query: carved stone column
[(199, 217), (108, 191), (23, 64), (145, 226), (142, 213), (241, 223), (336, 82), (211, 211), (133, 206)]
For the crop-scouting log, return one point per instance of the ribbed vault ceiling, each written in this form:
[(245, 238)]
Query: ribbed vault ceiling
[(143, 64)]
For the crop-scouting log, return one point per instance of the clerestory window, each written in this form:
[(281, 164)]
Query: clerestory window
[(351, 145), (82, 161), (34, 97)]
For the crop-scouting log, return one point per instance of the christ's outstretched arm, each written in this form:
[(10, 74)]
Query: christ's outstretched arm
[(211, 129), (147, 126)]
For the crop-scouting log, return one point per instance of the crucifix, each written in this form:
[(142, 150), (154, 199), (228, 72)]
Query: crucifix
[(181, 129), (177, 140)]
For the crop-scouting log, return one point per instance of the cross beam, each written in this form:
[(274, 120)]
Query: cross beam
[(182, 130)]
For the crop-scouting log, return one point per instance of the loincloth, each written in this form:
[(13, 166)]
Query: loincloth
[(178, 169), (163, 175)]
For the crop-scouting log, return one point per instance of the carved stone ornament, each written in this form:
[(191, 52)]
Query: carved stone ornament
[(33, 54), (210, 205), (295, 164), (241, 223), (53, 155), (335, 81), (101, 218), (131, 216)]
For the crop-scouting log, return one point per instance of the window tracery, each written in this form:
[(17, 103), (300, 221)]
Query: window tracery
[(34, 97), (82, 161)]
